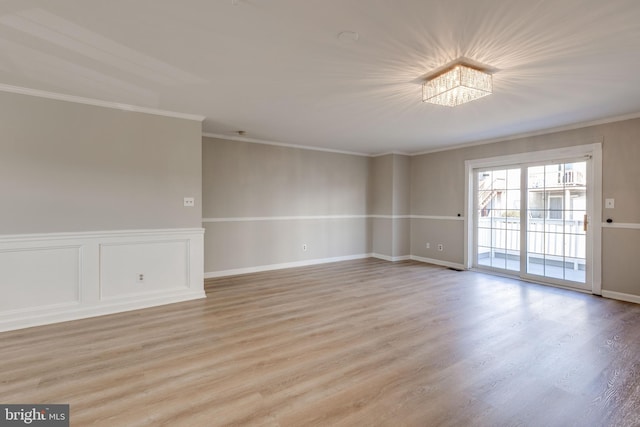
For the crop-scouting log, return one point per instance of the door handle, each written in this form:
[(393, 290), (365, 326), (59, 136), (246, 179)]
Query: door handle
[(586, 222)]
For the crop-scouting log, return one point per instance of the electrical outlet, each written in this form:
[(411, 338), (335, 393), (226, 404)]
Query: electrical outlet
[(304, 247), (189, 202), (440, 247), (140, 278), (428, 245)]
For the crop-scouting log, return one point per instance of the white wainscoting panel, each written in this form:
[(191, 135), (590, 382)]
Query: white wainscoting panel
[(48, 278), (138, 267), (55, 281)]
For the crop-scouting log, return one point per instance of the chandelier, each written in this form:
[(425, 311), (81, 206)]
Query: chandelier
[(457, 85)]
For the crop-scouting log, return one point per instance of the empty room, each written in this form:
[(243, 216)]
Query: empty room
[(320, 213)]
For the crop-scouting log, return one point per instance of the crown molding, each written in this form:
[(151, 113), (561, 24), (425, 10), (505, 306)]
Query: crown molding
[(281, 144), (548, 131), (97, 102), (399, 153)]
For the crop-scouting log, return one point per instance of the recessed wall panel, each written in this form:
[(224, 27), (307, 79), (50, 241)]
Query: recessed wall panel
[(134, 268), (36, 277)]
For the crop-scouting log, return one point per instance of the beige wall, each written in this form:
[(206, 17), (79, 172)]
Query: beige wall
[(401, 245), (389, 192), (382, 236), (67, 167), (245, 180), (620, 249), (249, 180), (401, 185), (381, 204), (437, 189), (621, 175), (249, 244), (381, 185), (449, 233)]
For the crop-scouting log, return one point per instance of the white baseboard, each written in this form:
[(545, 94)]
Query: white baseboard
[(49, 278), (391, 258), (621, 296), (448, 264), (269, 267), (260, 268), (56, 314)]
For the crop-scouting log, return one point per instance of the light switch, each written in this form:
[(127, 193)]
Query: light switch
[(609, 203), (189, 202)]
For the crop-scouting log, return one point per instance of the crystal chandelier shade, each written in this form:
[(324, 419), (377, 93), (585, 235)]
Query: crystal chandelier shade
[(456, 86)]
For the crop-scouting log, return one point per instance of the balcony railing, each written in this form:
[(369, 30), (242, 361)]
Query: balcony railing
[(552, 238), (556, 179)]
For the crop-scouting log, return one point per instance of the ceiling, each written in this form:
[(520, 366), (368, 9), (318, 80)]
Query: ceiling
[(278, 70)]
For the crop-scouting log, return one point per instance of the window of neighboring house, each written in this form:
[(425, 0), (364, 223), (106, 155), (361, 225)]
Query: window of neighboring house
[(555, 207)]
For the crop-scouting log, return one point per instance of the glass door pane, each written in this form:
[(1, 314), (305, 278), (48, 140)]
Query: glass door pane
[(556, 213), (498, 218)]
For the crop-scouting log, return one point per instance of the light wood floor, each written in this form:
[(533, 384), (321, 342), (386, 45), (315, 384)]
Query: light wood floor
[(363, 342)]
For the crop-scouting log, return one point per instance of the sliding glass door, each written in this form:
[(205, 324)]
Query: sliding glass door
[(531, 220), (557, 221)]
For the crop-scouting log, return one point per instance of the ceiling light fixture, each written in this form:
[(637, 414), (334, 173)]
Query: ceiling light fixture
[(457, 85)]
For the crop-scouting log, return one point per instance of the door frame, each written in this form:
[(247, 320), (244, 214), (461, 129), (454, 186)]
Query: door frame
[(594, 198)]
